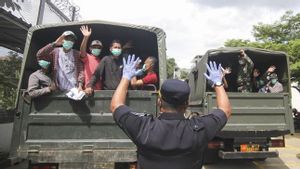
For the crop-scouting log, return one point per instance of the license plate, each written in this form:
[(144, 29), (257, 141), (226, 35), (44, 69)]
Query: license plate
[(249, 147)]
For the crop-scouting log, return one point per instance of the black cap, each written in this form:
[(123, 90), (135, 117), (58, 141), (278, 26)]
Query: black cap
[(175, 92), (273, 76)]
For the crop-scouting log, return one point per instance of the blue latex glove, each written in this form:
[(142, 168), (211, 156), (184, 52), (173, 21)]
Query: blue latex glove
[(215, 73), (129, 68)]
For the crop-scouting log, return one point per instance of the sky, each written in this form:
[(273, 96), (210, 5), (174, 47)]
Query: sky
[(192, 26)]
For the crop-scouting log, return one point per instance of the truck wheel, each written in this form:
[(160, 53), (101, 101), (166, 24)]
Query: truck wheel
[(210, 156), (126, 165)]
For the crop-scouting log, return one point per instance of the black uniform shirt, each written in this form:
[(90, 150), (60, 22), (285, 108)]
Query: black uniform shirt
[(169, 141)]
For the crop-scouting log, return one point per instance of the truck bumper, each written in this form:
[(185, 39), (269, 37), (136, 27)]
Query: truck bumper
[(247, 155)]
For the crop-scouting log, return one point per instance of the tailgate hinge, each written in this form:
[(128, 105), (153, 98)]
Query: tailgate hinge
[(34, 149), (87, 148)]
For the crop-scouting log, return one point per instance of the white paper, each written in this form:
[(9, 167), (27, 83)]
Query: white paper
[(75, 94)]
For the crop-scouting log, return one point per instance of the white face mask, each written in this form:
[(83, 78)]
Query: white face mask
[(96, 52), (116, 52), (67, 44)]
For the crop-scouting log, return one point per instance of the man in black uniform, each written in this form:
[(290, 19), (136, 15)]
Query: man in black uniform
[(170, 141)]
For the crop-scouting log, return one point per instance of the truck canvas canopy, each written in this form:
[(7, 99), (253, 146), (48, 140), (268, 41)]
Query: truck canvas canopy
[(228, 57), (148, 41)]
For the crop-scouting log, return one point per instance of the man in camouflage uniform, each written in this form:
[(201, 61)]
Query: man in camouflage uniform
[(244, 74)]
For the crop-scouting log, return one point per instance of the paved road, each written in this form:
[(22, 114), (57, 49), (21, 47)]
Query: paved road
[(287, 159)]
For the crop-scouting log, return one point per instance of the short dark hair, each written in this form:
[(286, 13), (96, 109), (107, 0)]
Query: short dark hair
[(115, 41), (153, 60)]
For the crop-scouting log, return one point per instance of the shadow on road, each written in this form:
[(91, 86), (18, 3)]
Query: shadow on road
[(272, 163)]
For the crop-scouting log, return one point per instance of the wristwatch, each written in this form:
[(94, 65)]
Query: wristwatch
[(218, 84)]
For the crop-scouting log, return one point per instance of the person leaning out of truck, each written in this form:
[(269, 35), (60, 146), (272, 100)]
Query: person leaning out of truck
[(90, 60), (244, 73), (39, 82), (109, 71), (147, 72), (67, 66)]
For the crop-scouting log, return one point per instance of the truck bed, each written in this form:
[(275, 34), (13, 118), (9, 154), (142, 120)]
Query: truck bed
[(59, 130), (256, 114)]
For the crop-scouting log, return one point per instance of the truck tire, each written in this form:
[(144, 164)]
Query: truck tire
[(210, 156)]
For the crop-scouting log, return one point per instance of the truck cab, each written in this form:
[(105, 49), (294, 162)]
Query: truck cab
[(257, 118), (53, 129)]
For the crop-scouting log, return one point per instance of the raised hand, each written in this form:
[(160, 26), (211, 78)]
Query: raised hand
[(85, 30), (130, 66), (215, 73), (226, 71), (59, 40), (271, 69)]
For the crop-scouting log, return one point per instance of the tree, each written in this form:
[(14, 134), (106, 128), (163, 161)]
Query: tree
[(282, 31), (282, 35), (9, 74), (171, 65), (184, 73)]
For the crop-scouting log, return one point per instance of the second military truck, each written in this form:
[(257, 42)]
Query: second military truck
[(259, 121)]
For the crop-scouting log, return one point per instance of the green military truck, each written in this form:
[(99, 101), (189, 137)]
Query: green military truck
[(259, 121), (54, 131)]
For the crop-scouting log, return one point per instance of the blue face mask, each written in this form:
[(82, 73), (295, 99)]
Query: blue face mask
[(116, 52), (273, 81), (96, 52), (67, 44), (44, 64)]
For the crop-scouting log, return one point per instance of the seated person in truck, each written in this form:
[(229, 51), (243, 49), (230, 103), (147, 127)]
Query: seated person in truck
[(266, 76), (273, 85), (90, 60), (147, 72), (109, 71), (257, 81), (244, 73), (39, 82), (128, 49), (67, 66)]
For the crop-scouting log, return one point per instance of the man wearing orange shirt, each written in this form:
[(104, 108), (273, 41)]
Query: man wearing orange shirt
[(90, 60)]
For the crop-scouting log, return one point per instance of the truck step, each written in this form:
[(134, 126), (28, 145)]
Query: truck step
[(248, 155)]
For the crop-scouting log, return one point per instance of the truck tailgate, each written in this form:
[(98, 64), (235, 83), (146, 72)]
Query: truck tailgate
[(57, 129), (257, 112)]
